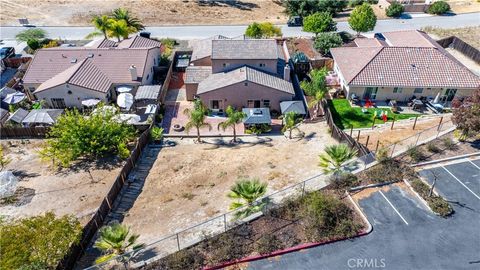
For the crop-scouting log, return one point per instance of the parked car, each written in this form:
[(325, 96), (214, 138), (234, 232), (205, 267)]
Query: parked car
[(295, 21), (7, 52)]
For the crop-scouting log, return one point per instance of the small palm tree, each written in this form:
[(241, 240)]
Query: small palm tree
[(246, 192), (335, 156), (115, 241), (234, 118), (102, 24), (317, 98), (133, 23), (290, 122), (118, 29), (197, 118)]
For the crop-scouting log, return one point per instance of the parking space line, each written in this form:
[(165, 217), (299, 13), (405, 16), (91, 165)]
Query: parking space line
[(393, 207), (461, 183), (474, 164)]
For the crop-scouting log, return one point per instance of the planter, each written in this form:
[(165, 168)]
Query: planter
[(177, 128)]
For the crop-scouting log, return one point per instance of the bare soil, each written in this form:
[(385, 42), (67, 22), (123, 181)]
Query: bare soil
[(188, 183), (471, 35), (77, 191)]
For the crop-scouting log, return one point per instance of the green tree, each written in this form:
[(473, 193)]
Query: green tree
[(245, 192), (334, 157), (317, 81), (116, 240), (439, 7), (317, 98), (4, 161), (263, 30), (394, 10), (74, 136), (362, 18), (33, 44), (119, 29), (325, 41), (102, 24), (233, 118), (133, 23), (197, 118), (306, 7), (32, 33), (290, 122), (319, 22), (38, 242)]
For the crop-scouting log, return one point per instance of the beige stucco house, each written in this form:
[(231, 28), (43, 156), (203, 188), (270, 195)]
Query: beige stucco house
[(241, 72), (401, 65), (64, 77)]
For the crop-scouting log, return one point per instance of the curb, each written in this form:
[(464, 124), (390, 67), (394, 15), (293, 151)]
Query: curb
[(364, 217), (371, 186), (445, 159), (418, 195)]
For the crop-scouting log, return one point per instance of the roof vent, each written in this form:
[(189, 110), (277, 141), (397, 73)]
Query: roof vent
[(64, 56), (90, 55), (74, 60)]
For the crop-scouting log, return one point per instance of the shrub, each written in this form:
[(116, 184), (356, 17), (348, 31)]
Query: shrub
[(354, 3), (382, 154), (436, 203), (156, 133), (225, 247), (432, 147), (372, 2), (268, 244), (439, 7), (123, 151), (415, 153), (33, 44), (387, 171), (448, 143), (51, 44), (343, 181), (183, 259), (394, 10)]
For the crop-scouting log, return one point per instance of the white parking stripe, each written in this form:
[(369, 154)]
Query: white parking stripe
[(474, 164), (461, 183), (393, 207)]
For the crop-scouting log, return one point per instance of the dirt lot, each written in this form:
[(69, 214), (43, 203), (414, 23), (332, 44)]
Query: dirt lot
[(73, 191), (471, 35), (151, 12), (189, 182)]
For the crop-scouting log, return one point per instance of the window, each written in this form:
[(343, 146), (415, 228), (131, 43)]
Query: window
[(266, 103), (253, 103), (69, 92), (262, 64), (58, 103), (397, 90), (226, 64), (215, 104), (418, 91), (246, 84)]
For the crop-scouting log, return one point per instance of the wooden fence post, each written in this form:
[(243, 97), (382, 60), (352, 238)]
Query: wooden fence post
[(415, 123), (368, 138), (358, 136), (393, 122), (440, 123), (351, 131), (376, 148)]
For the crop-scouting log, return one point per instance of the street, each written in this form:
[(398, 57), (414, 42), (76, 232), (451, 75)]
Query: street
[(205, 31)]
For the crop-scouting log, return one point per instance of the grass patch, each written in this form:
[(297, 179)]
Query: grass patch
[(346, 116)]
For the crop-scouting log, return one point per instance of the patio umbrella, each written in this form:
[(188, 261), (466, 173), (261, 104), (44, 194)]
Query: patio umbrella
[(437, 98), (14, 98), (125, 100), (124, 89), (90, 102)]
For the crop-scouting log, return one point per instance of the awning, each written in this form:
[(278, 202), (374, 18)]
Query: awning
[(14, 98), (124, 89), (292, 106), (125, 100), (148, 92), (257, 116)]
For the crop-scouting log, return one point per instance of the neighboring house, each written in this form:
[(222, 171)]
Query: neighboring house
[(42, 117), (243, 73), (63, 77), (3, 116), (17, 117), (401, 65)]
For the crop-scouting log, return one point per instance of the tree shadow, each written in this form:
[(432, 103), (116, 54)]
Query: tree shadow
[(228, 3), (109, 162), (217, 143), (23, 175)]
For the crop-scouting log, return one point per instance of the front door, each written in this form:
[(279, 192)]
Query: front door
[(216, 105), (370, 93), (450, 93)]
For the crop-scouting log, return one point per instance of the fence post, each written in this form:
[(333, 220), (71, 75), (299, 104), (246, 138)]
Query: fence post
[(440, 123), (393, 122), (358, 136), (225, 221), (393, 150), (415, 123), (368, 138), (376, 148), (351, 131), (418, 138), (178, 243), (303, 189)]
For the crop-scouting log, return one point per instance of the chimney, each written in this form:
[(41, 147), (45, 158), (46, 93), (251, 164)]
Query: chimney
[(286, 73), (133, 72)]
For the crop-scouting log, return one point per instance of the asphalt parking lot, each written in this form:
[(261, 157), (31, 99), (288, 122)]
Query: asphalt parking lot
[(406, 234)]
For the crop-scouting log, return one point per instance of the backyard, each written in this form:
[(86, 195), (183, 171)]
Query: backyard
[(345, 116)]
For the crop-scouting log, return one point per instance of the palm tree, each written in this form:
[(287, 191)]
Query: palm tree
[(197, 118), (335, 156), (317, 98), (114, 241), (118, 29), (133, 23), (234, 118), (102, 25), (290, 122), (246, 192)]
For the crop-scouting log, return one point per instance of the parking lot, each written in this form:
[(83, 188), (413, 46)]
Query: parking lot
[(406, 234)]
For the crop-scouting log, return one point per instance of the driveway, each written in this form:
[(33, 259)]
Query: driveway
[(406, 234)]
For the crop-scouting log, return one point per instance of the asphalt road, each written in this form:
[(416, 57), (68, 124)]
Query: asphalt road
[(406, 235), (197, 32)]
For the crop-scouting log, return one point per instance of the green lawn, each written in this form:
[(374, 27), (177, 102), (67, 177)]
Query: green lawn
[(345, 116)]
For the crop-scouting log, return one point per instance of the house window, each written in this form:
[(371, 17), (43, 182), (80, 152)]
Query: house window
[(266, 103), (253, 103), (418, 91), (262, 64), (246, 84), (215, 104), (397, 90), (226, 64), (58, 103)]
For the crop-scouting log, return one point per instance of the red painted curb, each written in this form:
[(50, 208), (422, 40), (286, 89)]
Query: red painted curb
[(283, 251)]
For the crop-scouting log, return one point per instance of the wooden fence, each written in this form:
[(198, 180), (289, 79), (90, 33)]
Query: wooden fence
[(23, 132), (100, 215), (166, 83), (461, 46), (339, 134)]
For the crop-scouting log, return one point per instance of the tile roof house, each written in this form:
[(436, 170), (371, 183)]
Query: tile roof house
[(240, 72), (63, 77), (400, 65)]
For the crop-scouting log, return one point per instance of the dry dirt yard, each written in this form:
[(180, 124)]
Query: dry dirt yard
[(151, 12), (188, 183), (73, 191)]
